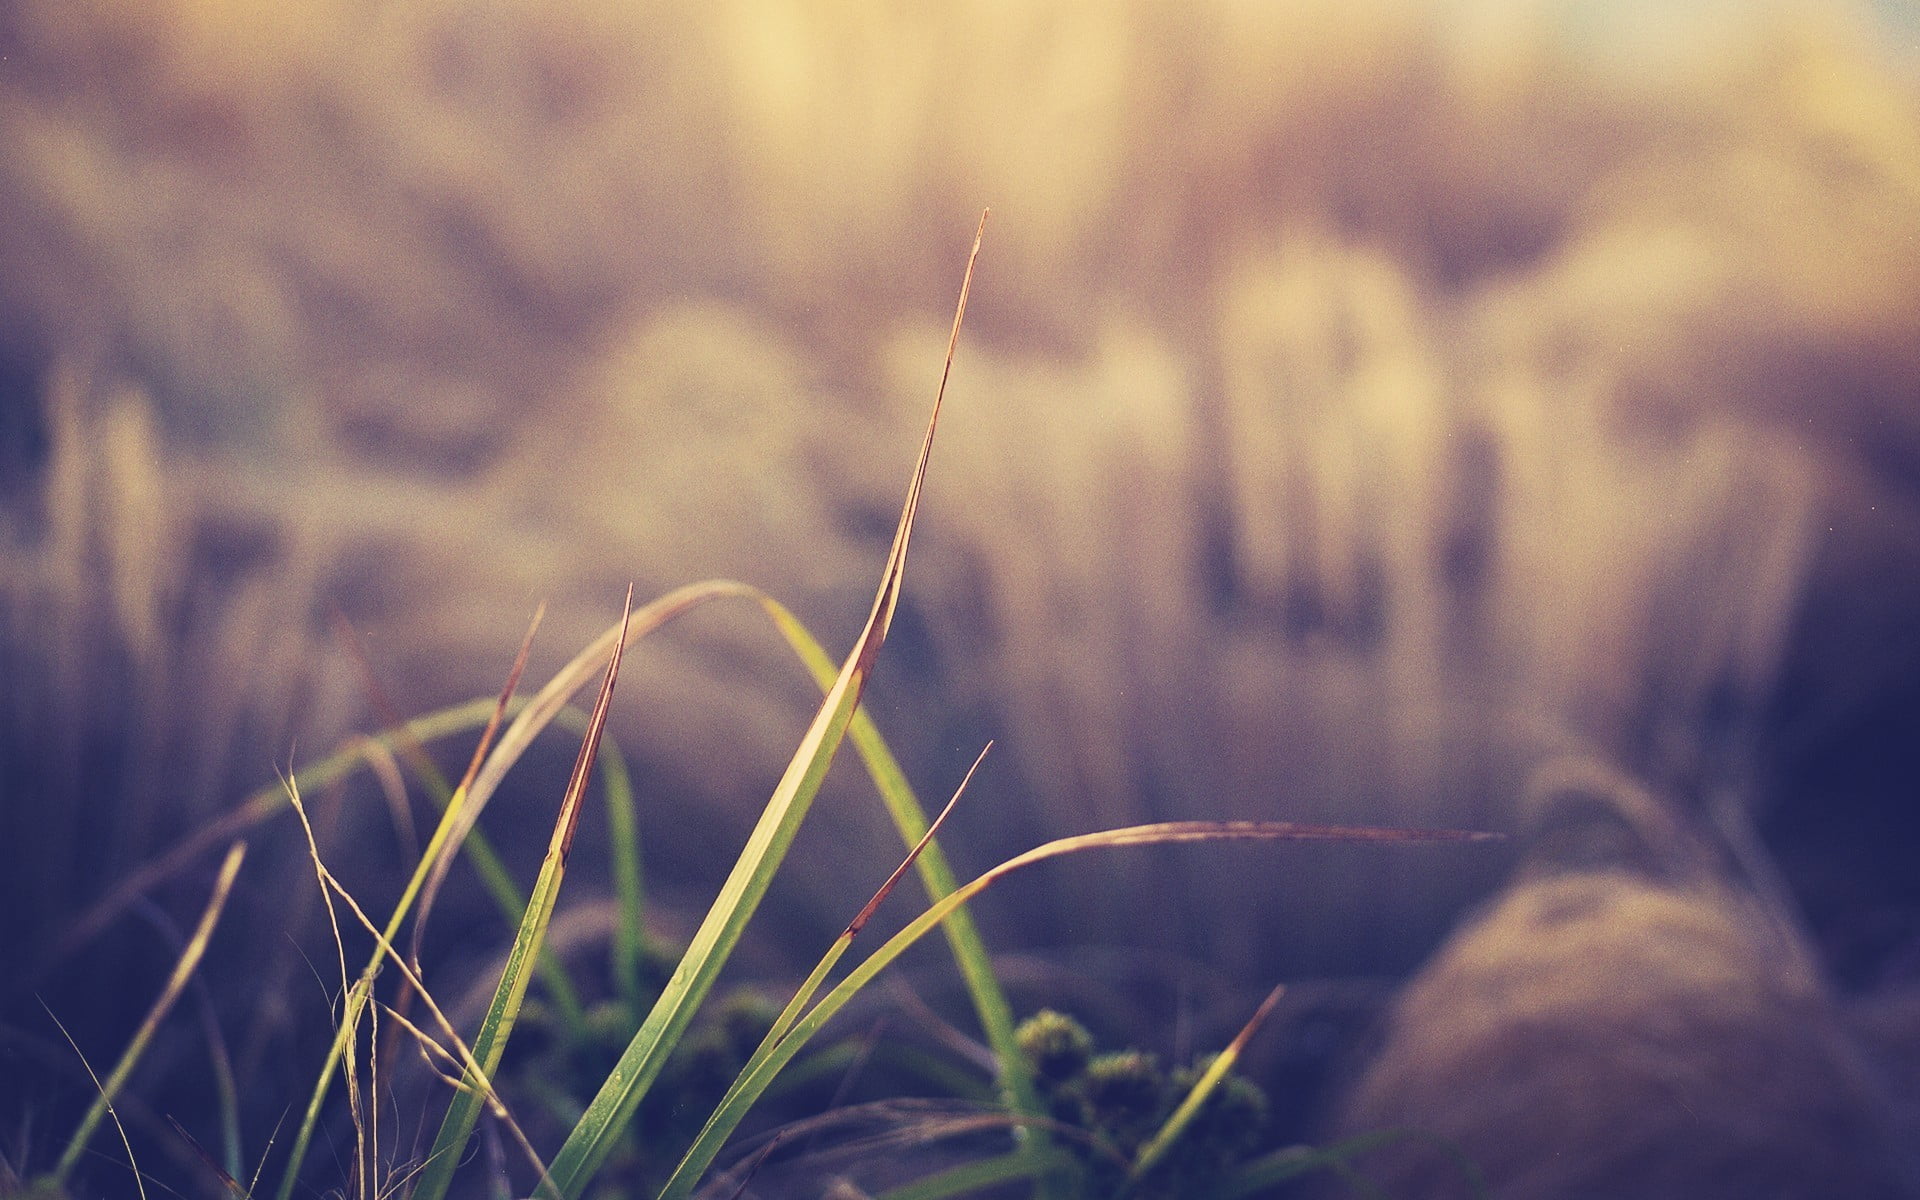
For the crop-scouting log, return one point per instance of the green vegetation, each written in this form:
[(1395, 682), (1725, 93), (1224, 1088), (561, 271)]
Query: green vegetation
[(644, 1068)]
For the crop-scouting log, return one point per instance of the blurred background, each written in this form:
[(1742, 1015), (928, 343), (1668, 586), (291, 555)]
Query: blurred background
[(1360, 405)]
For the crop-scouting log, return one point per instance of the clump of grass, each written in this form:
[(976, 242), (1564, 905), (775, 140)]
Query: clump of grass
[(652, 1076)]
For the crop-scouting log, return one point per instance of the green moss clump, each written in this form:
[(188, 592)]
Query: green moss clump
[(1120, 1099)]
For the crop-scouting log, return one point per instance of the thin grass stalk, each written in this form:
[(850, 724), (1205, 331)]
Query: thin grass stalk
[(755, 1079), (510, 994), (468, 1063), (183, 969), (354, 996), (226, 1092), (133, 1164), (623, 852)]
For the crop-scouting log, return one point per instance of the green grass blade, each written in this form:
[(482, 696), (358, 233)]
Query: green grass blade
[(594, 1137), (623, 847), (596, 1134), (909, 817), (183, 969), (504, 1010), (623, 844), (267, 802)]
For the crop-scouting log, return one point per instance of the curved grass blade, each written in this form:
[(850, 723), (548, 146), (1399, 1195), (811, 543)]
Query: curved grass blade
[(679, 1184), (54, 1187), (269, 801), (755, 1079), (504, 1010), (594, 1137)]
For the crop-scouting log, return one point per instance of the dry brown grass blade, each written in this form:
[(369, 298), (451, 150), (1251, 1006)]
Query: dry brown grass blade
[(487, 735), (590, 745), (886, 889), (462, 796)]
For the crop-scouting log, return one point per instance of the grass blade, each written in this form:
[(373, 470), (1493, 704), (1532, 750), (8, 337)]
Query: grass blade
[(269, 801), (685, 1175), (360, 992), (594, 1137), (510, 994), (909, 817), (176, 982)]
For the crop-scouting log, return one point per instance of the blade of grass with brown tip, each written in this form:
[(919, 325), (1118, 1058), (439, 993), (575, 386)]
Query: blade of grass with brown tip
[(493, 873), (511, 992), (1210, 1080), (755, 1079), (595, 1136)]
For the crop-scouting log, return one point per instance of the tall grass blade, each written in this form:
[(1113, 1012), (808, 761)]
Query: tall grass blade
[(497, 1026), (597, 1132), (183, 968), (909, 817), (623, 847)]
